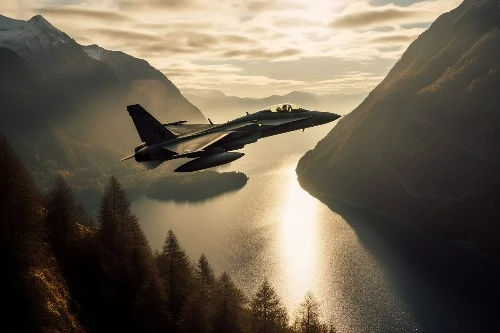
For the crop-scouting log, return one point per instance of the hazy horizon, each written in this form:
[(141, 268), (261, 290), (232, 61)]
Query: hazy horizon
[(252, 49)]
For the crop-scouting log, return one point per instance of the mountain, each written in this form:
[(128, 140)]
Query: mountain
[(57, 58), (423, 147), (146, 78), (63, 104), (223, 107)]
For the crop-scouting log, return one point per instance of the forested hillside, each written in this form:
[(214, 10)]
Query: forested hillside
[(65, 271)]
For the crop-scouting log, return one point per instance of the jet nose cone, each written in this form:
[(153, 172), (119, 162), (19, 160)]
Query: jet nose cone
[(333, 116), (329, 117)]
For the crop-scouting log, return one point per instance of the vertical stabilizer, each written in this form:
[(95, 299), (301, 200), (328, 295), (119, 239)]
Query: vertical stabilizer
[(150, 130)]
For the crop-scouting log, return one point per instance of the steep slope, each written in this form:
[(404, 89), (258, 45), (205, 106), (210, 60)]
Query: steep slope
[(145, 78), (423, 147), (35, 294)]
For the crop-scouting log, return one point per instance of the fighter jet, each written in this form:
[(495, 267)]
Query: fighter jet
[(210, 145)]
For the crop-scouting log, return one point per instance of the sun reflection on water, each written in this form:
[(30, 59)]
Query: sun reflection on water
[(297, 234)]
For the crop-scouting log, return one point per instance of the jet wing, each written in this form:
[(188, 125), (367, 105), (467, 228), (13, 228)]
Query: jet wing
[(277, 122), (201, 141), (196, 143), (188, 128)]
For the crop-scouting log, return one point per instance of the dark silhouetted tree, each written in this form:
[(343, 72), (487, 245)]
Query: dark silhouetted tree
[(229, 307), (308, 317), (34, 294), (198, 309), (21, 238), (60, 219), (205, 276), (268, 314), (114, 213), (21, 212), (134, 290), (177, 275)]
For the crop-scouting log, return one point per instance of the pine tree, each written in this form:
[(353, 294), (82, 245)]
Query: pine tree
[(268, 315), (198, 310), (229, 304), (205, 276), (308, 317), (176, 272), (61, 218), (134, 287), (34, 294), (114, 213), (21, 212)]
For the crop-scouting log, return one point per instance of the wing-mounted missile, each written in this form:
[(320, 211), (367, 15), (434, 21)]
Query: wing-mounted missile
[(209, 161)]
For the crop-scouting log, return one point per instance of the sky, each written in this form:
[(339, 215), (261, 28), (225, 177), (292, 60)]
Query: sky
[(249, 48)]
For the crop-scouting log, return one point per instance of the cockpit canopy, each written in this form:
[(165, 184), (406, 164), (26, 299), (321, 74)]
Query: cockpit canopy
[(283, 107)]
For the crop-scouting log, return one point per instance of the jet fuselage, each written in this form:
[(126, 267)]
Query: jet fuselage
[(200, 141)]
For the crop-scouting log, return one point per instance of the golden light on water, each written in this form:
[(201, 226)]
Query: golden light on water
[(298, 240)]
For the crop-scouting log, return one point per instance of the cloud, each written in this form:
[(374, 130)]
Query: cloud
[(184, 42), (403, 3), (236, 39), (125, 35), (295, 22), (156, 4), (392, 39), (417, 25), (372, 17), (79, 12), (269, 5), (260, 53), (194, 69), (193, 39), (233, 45)]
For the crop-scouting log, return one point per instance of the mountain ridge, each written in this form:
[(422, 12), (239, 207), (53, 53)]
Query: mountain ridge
[(217, 104)]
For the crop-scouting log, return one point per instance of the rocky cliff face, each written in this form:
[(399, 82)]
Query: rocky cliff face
[(424, 146)]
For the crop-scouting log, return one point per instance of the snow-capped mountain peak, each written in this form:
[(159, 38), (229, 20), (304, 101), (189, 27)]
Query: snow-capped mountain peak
[(35, 36), (40, 22), (95, 51)]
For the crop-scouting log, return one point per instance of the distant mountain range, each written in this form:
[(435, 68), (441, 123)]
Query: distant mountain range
[(223, 107), (424, 146), (63, 105)]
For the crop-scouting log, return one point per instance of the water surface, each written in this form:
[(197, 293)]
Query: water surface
[(368, 274)]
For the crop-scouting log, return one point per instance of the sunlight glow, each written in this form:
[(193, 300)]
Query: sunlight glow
[(298, 240)]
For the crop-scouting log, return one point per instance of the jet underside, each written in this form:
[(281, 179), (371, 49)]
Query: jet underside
[(211, 145)]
